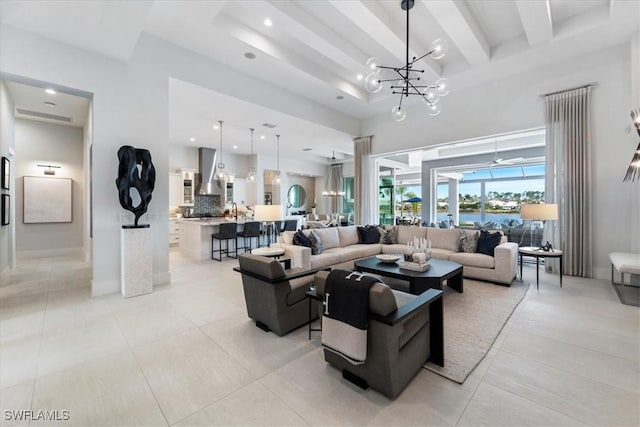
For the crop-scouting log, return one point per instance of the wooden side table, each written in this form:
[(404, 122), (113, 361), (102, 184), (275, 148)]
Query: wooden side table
[(539, 253)]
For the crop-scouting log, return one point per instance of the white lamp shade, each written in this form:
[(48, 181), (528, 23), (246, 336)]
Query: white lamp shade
[(539, 212), (268, 213)]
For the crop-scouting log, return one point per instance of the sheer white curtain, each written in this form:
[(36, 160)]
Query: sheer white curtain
[(365, 182), (568, 178), (335, 184)]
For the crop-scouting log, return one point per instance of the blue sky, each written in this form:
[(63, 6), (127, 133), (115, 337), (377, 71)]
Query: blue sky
[(500, 186)]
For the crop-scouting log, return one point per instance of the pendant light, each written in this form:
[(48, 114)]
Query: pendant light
[(221, 173), (251, 176), (277, 180)]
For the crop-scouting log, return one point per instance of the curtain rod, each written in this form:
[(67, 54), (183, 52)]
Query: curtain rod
[(570, 89)]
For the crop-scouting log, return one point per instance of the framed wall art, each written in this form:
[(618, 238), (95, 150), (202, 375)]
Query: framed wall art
[(47, 200), (6, 173), (5, 209)]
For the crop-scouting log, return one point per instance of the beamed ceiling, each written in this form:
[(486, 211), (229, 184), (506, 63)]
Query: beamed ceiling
[(316, 49)]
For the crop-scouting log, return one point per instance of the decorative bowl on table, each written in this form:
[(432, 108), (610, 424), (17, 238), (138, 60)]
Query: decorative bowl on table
[(388, 258)]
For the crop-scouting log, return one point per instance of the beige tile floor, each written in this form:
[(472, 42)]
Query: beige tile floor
[(188, 355)]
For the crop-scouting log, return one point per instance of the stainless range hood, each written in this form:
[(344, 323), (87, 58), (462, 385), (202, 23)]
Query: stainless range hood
[(210, 185)]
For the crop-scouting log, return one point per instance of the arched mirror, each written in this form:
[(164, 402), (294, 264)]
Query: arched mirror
[(296, 196)]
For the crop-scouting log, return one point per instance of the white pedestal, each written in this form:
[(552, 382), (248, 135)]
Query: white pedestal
[(136, 261)]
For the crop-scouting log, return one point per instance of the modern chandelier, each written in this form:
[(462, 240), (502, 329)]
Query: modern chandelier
[(333, 180), (406, 80)]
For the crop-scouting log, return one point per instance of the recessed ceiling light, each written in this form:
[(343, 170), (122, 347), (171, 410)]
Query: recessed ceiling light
[(50, 91), (307, 149), (216, 126), (339, 97), (250, 55), (262, 137), (50, 104), (359, 77), (268, 22), (235, 147), (192, 139)]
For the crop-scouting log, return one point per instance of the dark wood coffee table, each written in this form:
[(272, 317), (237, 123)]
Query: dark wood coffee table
[(433, 278)]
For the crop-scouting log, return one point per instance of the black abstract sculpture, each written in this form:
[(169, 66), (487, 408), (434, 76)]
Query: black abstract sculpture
[(135, 171)]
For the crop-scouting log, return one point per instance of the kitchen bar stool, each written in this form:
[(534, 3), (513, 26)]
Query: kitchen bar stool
[(249, 231), (227, 231)]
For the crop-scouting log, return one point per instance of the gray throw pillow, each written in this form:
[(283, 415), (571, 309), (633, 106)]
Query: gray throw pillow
[(468, 241), (316, 244), (386, 236)]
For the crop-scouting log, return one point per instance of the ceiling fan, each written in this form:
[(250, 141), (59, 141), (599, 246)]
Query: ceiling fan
[(497, 161)]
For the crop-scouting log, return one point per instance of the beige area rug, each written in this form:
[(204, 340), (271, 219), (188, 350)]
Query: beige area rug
[(472, 322)]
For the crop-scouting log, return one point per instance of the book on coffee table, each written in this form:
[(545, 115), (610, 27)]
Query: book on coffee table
[(414, 266)]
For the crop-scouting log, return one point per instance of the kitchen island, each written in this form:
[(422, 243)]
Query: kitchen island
[(195, 240)]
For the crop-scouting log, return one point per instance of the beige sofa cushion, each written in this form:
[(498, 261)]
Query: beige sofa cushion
[(438, 253), (325, 259), (394, 249), (406, 233), (329, 236), (444, 238), (473, 260), (287, 237), (348, 235), (369, 250)]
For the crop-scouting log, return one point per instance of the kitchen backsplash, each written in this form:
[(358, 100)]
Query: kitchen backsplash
[(207, 205)]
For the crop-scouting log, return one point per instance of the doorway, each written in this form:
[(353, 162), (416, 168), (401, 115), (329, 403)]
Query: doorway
[(47, 140)]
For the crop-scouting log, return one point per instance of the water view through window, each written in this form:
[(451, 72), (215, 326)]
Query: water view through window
[(493, 195)]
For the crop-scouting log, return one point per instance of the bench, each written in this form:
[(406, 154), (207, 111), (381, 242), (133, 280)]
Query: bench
[(624, 263)]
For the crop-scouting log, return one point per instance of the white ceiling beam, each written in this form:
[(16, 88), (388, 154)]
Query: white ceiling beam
[(461, 27), (314, 34), (536, 20), (192, 12), (229, 25), (365, 19)]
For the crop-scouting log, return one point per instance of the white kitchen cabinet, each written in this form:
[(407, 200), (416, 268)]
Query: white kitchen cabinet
[(188, 184), (175, 189), (175, 231), (240, 191)]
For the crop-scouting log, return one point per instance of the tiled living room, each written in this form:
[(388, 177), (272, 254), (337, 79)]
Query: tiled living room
[(188, 355), (296, 108)]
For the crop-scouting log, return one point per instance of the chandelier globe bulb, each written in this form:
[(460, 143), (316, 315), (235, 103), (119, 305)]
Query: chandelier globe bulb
[(398, 114)]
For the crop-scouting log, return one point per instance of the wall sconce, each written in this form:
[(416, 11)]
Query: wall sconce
[(49, 170)]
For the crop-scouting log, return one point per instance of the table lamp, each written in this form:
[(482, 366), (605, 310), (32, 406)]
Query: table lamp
[(538, 212), (268, 214)]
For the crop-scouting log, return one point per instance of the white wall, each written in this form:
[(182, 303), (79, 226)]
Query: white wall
[(130, 106), (182, 158), (514, 103), (87, 138), (7, 144), (49, 144)]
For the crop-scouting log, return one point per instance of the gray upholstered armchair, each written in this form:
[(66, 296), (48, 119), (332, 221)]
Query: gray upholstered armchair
[(275, 297), (403, 331)]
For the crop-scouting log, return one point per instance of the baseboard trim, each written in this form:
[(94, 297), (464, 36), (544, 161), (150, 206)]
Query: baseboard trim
[(104, 287), (42, 253)]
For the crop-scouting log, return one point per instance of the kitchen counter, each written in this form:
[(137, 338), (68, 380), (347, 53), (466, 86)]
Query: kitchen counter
[(196, 235), (203, 222)]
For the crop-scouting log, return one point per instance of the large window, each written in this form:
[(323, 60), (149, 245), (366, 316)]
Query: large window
[(493, 195), (348, 205), (386, 201)]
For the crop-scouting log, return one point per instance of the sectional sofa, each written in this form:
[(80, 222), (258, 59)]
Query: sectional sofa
[(341, 248)]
